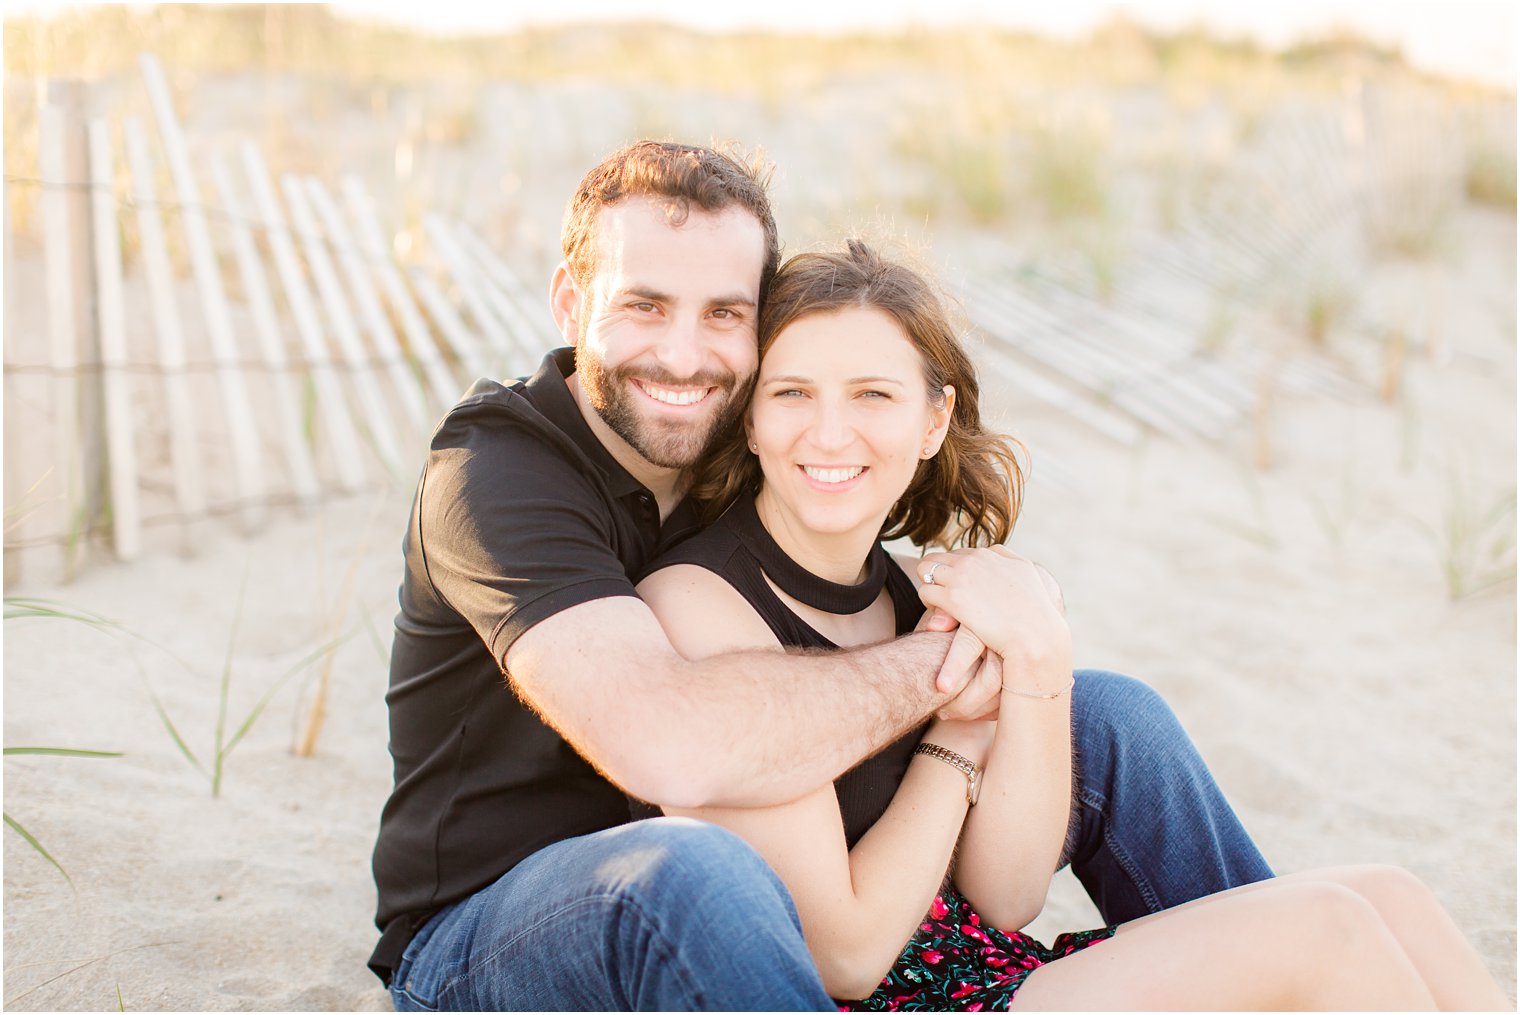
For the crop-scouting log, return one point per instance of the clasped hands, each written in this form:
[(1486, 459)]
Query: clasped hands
[(1010, 628)]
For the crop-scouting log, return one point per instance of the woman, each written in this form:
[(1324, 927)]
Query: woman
[(864, 426)]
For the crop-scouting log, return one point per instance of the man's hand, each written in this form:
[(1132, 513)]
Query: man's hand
[(979, 696), (967, 672)]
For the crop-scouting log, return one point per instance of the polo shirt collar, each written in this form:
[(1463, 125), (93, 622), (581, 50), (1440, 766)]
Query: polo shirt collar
[(550, 395)]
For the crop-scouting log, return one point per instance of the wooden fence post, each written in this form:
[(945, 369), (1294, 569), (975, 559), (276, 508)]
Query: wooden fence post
[(14, 491), (189, 481), (66, 239), (121, 447)]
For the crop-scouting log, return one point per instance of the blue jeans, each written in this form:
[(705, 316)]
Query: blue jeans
[(673, 914)]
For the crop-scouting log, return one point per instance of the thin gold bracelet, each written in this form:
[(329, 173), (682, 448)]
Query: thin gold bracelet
[(1044, 697)]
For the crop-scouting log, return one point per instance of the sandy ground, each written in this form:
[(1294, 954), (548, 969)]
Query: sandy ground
[(1297, 618)]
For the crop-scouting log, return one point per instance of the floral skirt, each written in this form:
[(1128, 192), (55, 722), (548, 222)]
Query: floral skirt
[(954, 963)]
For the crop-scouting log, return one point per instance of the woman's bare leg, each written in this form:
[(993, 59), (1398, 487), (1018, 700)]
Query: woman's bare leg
[(1451, 968), (1309, 944)]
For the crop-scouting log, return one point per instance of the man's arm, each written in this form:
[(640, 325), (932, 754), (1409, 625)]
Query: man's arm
[(742, 729)]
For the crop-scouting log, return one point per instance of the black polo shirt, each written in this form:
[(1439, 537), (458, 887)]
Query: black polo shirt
[(520, 513)]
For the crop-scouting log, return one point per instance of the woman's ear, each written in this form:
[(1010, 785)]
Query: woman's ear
[(565, 303), (939, 423)]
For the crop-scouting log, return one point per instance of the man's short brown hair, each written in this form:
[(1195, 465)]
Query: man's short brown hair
[(680, 175)]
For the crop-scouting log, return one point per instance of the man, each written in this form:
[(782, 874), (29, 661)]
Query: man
[(530, 688)]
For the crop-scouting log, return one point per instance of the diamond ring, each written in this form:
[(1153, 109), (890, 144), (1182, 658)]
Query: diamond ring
[(929, 574)]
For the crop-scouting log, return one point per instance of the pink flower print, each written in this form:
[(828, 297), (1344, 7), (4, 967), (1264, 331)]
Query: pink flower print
[(974, 1006), (965, 988), (938, 909), (931, 957), (970, 931)]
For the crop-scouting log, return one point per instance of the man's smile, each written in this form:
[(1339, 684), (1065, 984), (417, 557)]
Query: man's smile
[(673, 395)]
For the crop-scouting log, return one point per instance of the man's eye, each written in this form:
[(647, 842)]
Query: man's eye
[(643, 308)]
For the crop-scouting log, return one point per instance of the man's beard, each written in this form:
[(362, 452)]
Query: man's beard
[(667, 443)]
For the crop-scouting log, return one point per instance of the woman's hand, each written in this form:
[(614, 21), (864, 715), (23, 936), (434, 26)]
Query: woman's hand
[(1007, 601)]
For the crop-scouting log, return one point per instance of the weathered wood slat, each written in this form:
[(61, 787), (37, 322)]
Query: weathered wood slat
[(515, 323), (1046, 338), (468, 348), (446, 388), (189, 480), (530, 317), (111, 315), (377, 418), (1074, 403), (361, 286), (63, 352), (14, 493), (503, 354), (266, 326), (337, 426), (247, 461)]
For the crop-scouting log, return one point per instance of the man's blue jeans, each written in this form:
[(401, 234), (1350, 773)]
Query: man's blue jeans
[(673, 914)]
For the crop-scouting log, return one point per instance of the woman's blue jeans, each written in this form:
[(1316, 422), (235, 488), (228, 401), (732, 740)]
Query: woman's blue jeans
[(673, 914)]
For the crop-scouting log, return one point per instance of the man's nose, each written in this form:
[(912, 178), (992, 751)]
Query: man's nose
[(682, 350)]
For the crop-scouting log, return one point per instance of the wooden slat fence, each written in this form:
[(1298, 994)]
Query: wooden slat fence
[(316, 362)]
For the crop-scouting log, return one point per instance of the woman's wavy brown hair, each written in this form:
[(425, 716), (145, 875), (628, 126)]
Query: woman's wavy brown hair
[(970, 492)]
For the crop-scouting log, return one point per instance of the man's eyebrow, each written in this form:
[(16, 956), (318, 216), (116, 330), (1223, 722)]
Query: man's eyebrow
[(739, 300), (656, 296), (643, 293)]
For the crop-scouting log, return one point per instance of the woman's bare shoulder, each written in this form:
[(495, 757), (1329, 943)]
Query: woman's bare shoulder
[(702, 614)]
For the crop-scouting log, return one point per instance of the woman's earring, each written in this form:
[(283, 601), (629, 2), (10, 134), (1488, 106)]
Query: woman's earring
[(754, 447)]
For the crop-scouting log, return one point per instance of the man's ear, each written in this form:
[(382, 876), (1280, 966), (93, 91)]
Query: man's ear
[(565, 303)]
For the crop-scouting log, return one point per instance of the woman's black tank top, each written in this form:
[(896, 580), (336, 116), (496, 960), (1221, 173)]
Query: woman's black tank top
[(724, 548)]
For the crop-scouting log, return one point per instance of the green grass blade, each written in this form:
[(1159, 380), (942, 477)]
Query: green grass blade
[(179, 741), (32, 841), (280, 682), (63, 752), (226, 688), (23, 606)]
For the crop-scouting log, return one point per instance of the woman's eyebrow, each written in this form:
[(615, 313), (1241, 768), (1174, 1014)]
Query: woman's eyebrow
[(799, 379)]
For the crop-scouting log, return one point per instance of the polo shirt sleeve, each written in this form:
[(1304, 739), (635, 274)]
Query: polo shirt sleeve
[(513, 530)]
